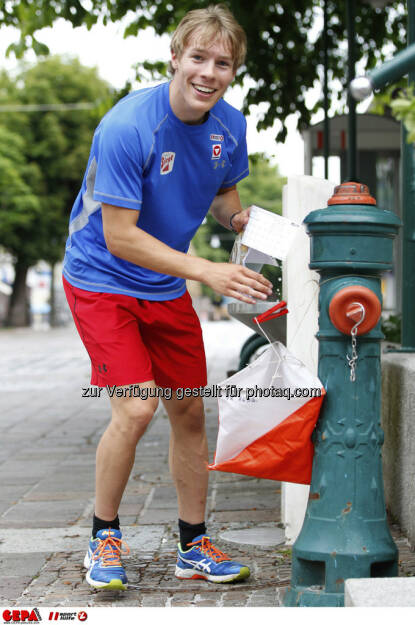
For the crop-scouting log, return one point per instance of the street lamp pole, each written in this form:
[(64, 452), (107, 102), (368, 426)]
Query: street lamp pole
[(326, 134), (351, 133)]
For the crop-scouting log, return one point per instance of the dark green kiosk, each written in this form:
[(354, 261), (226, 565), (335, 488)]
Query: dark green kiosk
[(345, 532)]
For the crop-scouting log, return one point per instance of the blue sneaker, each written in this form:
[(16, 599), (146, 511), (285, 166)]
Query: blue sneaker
[(204, 561), (103, 560)]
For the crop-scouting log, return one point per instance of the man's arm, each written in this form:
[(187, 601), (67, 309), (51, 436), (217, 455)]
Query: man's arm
[(227, 203), (126, 240)]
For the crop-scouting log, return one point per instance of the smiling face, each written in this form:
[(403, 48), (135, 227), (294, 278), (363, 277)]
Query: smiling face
[(202, 75)]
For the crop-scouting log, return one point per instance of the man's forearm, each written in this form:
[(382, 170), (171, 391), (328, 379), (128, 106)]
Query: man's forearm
[(225, 205), (141, 248)]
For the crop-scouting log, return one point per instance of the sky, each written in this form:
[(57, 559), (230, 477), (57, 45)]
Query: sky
[(105, 48)]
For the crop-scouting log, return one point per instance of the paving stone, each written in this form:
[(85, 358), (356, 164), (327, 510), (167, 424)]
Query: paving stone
[(43, 514), (159, 516), (133, 489), (133, 506), (155, 600), (12, 493), (254, 516), (12, 587), (12, 478), (38, 494), (164, 497), (22, 564), (62, 481)]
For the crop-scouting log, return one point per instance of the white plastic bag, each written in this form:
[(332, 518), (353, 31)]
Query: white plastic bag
[(267, 413)]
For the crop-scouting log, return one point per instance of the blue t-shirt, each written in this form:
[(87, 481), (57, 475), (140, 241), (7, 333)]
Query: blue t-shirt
[(144, 158)]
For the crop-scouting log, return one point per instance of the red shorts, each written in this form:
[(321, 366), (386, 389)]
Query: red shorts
[(131, 340)]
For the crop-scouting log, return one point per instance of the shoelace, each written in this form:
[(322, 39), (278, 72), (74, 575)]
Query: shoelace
[(210, 550), (110, 550)]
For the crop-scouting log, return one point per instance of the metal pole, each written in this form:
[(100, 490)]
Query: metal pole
[(389, 72), (408, 214), (326, 134), (351, 135)]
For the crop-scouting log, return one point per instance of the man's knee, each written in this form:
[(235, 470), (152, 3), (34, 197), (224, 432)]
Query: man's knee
[(190, 416), (133, 415)]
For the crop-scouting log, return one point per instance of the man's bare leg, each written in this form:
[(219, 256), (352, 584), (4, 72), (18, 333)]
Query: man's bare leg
[(116, 450), (188, 456)]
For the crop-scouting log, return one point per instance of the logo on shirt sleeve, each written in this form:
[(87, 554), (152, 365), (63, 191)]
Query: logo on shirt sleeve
[(167, 162), (216, 150)]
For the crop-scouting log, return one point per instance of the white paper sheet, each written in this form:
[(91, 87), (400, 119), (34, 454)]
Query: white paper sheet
[(269, 233)]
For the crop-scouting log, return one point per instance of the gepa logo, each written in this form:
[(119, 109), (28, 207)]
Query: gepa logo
[(216, 150), (167, 162), (22, 616)]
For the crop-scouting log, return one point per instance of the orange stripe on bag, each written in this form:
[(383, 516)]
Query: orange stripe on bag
[(285, 453)]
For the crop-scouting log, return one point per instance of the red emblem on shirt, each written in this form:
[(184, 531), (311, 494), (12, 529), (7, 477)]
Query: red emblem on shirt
[(216, 150), (167, 162)]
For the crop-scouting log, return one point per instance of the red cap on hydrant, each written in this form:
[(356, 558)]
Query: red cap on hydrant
[(353, 304), (351, 193)]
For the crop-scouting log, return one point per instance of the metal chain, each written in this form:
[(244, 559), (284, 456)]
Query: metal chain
[(352, 361)]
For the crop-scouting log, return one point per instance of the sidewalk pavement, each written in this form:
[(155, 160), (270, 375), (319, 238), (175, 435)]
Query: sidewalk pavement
[(49, 434)]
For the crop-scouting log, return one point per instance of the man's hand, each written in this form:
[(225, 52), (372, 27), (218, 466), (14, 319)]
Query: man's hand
[(237, 281), (240, 220), (227, 204)]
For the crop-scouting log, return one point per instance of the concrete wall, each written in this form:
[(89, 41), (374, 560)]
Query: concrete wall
[(398, 423)]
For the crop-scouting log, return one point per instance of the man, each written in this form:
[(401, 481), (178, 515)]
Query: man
[(159, 160)]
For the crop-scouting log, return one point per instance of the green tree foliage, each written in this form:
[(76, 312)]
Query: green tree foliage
[(44, 156), (19, 204), (397, 100), (283, 60), (392, 328), (263, 186), (403, 109)]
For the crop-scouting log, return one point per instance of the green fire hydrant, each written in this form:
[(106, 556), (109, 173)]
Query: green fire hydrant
[(345, 532)]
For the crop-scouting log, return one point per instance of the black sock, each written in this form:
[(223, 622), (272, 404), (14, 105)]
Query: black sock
[(99, 524), (188, 532)]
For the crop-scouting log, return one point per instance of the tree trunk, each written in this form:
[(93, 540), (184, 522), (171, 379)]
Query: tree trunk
[(18, 311), (53, 319)]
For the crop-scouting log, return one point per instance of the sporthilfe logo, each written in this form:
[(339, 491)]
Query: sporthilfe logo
[(68, 616), (216, 150), (216, 137), (167, 162)]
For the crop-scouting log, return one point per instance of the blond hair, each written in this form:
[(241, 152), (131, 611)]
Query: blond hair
[(214, 22)]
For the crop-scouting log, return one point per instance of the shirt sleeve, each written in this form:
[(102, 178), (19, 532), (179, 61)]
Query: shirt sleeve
[(119, 177), (239, 160)]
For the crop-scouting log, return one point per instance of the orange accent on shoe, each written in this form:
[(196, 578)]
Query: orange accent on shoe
[(111, 556), (210, 550)]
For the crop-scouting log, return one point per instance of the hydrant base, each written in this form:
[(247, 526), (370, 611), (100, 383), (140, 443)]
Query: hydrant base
[(302, 597)]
